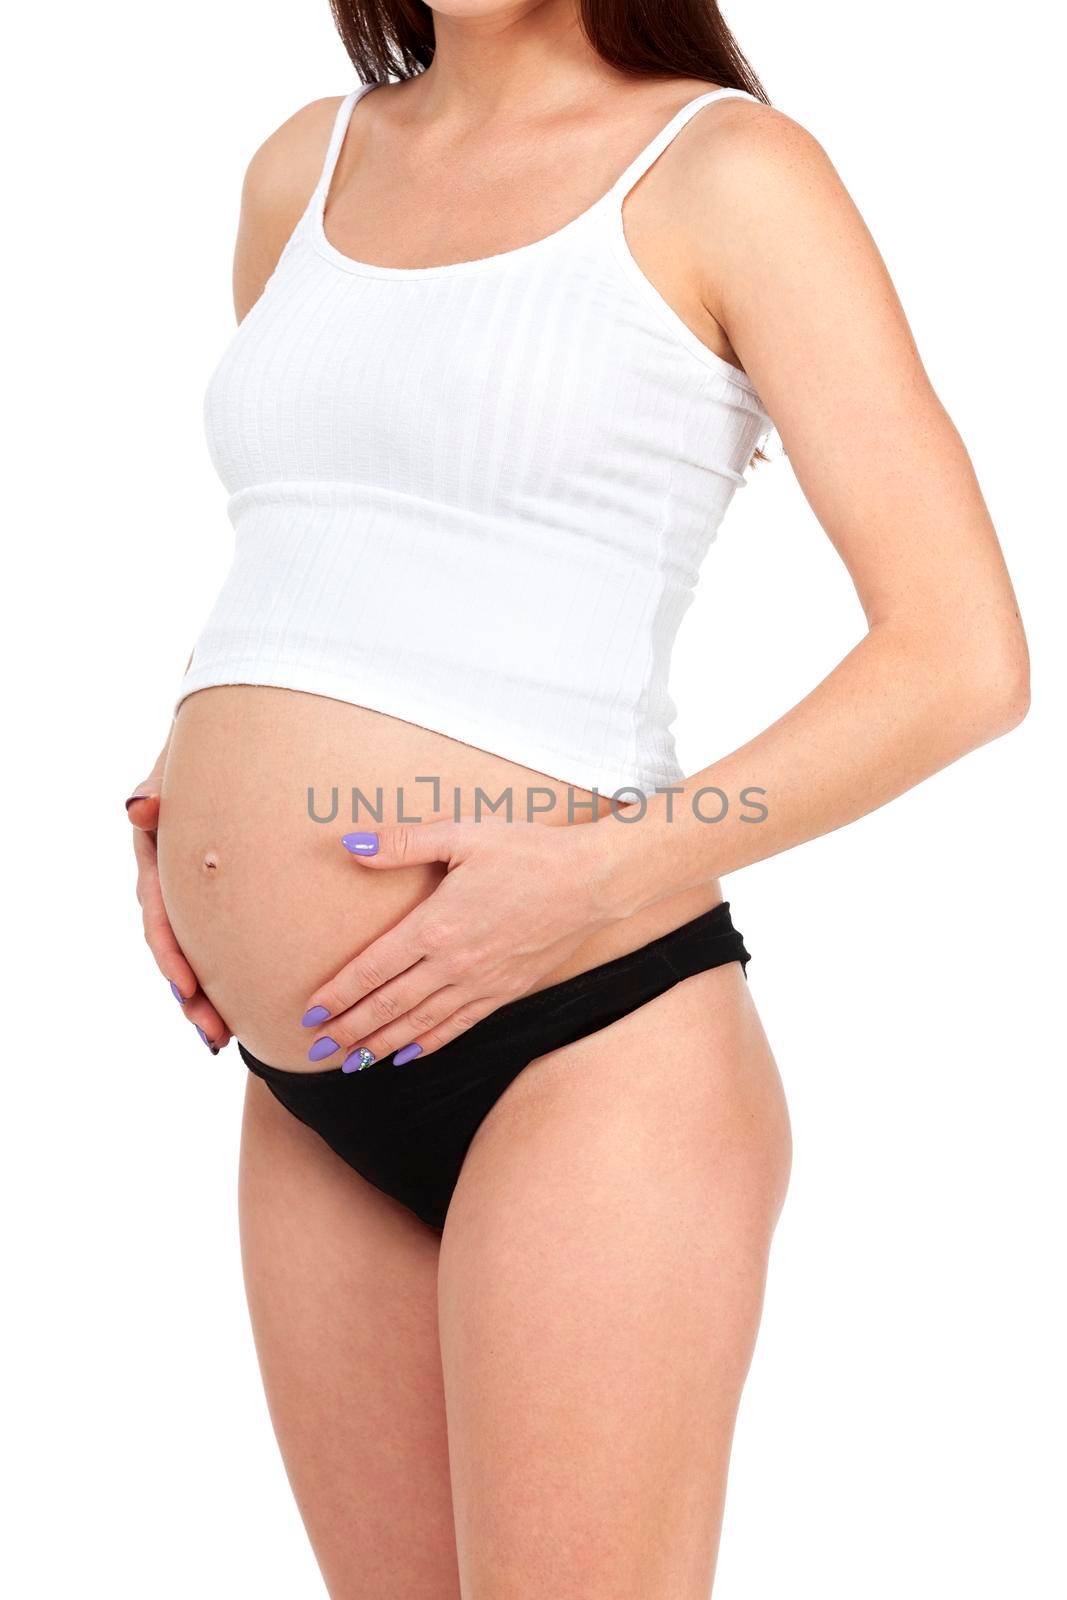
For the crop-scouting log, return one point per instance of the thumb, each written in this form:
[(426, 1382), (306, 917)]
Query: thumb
[(407, 845), (142, 807)]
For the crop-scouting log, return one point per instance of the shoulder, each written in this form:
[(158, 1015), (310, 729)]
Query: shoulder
[(749, 163), (278, 185), (285, 169), (765, 206)]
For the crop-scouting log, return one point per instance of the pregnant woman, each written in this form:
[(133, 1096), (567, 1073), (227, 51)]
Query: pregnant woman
[(515, 315)]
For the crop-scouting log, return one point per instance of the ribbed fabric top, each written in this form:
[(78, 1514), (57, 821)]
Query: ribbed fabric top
[(475, 497)]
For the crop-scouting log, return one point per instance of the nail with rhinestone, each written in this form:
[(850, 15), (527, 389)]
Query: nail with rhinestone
[(357, 1060)]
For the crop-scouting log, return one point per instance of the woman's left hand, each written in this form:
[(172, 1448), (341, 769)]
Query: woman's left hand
[(516, 900)]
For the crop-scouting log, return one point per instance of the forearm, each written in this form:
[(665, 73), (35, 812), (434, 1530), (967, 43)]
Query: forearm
[(891, 713)]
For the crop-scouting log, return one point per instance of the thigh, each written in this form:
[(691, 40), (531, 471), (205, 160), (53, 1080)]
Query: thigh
[(341, 1285), (600, 1285)]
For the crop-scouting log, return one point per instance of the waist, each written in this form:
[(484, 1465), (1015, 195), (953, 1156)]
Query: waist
[(549, 645), (264, 899)]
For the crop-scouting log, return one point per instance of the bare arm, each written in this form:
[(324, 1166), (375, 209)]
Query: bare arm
[(280, 180), (792, 275)]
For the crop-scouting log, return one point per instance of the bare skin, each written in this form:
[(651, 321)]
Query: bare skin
[(342, 1289), (265, 902), (596, 1296), (544, 1403)]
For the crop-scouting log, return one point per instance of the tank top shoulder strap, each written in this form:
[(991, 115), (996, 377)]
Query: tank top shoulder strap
[(655, 148), (337, 136)]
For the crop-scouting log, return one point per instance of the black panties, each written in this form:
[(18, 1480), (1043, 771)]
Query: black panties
[(407, 1129)]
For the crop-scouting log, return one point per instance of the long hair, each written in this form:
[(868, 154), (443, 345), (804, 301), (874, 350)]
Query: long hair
[(649, 38)]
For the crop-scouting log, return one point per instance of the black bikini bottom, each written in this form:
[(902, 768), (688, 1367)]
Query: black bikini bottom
[(407, 1129)]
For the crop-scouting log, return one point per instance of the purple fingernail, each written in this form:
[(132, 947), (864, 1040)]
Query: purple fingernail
[(312, 1018), (358, 1059), (322, 1048), (360, 844), (134, 797), (176, 992), (409, 1052), (204, 1036)]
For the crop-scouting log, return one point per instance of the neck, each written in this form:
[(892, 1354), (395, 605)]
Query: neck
[(532, 52)]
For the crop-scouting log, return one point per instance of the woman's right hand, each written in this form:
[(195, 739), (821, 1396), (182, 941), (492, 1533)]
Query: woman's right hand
[(142, 808)]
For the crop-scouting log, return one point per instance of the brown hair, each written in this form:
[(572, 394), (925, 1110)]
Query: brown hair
[(650, 38)]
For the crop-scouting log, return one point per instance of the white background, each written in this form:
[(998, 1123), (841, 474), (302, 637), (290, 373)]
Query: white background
[(902, 1431)]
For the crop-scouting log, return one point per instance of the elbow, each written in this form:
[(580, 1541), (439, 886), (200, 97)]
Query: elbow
[(998, 684), (1014, 701), (1005, 705)]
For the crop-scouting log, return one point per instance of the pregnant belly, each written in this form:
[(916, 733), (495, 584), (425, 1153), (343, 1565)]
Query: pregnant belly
[(265, 901)]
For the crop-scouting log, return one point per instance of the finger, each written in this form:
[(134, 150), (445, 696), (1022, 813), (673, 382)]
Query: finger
[(406, 845), (389, 1017), (143, 809), (451, 1027), (409, 942), (207, 1022), (412, 990), (192, 999), (159, 935), (205, 1019)]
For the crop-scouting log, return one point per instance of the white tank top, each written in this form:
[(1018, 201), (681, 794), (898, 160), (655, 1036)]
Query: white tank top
[(475, 497)]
